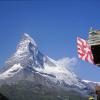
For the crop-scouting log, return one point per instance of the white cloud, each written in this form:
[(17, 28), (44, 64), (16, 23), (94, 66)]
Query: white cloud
[(62, 70), (67, 62)]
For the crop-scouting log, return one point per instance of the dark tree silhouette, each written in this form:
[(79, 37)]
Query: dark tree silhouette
[(2, 97)]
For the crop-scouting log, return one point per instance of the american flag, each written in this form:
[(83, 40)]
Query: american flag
[(84, 50)]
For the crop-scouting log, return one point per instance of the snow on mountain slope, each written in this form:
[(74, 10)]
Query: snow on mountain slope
[(10, 72), (62, 72)]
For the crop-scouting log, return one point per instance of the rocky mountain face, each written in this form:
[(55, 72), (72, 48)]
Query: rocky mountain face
[(30, 70)]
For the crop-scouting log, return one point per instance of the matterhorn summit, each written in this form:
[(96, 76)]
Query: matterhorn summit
[(23, 46), (27, 53)]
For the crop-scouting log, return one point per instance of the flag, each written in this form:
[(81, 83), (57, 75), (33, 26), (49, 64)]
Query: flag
[(84, 50)]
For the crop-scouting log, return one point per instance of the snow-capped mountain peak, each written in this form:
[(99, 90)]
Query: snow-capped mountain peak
[(28, 38), (24, 44), (27, 53)]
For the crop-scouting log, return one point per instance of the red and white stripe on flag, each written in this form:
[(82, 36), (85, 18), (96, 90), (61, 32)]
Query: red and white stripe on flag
[(84, 50)]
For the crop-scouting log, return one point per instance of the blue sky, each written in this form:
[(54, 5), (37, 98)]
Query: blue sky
[(54, 25)]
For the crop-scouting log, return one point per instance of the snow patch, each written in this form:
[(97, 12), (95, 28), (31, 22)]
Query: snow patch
[(12, 71)]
